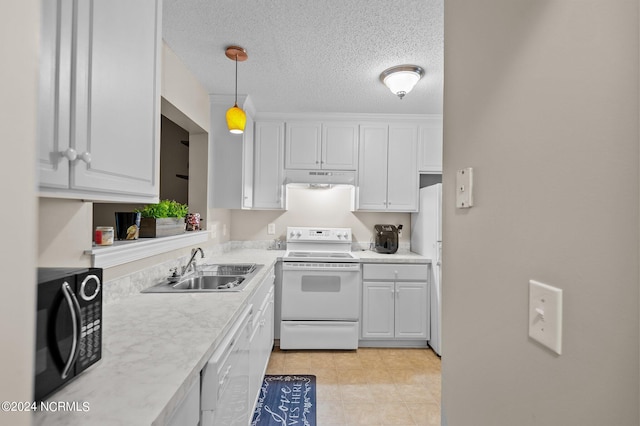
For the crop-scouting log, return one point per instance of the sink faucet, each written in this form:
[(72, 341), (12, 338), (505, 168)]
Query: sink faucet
[(192, 260)]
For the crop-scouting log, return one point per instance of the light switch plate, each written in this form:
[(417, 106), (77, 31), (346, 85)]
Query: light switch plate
[(271, 229), (464, 188), (545, 315)]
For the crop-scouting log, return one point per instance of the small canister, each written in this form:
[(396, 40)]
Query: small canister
[(104, 235)]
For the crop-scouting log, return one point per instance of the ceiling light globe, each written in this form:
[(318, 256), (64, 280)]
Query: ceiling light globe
[(401, 79), (236, 120)]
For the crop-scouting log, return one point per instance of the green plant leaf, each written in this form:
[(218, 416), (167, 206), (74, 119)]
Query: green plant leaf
[(165, 208)]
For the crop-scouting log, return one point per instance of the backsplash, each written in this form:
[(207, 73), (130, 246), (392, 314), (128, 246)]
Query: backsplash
[(118, 289), (125, 286)]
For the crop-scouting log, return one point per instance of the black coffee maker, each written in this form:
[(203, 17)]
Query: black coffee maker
[(386, 239)]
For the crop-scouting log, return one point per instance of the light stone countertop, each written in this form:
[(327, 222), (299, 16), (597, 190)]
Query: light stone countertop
[(401, 256), (154, 346)]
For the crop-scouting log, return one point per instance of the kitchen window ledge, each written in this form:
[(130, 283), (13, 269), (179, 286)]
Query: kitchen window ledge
[(128, 251)]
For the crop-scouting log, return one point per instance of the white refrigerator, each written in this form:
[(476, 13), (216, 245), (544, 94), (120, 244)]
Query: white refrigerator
[(426, 239)]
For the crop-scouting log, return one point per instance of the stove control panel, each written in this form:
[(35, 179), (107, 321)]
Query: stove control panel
[(318, 234)]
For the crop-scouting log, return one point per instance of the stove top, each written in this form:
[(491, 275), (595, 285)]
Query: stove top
[(307, 244), (304, 255)]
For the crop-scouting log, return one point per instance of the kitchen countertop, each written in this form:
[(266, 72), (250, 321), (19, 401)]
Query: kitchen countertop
[(401, 256), (155, 344)]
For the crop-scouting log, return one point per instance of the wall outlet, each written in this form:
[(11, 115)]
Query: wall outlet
[(271, 229), (224, 229), (545, 315)]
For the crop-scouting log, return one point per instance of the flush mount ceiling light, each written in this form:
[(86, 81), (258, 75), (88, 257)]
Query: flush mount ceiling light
[(236, 118), (401, 79)]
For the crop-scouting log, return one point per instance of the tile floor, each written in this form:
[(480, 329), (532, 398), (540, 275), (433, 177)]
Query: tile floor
[(370, 386)]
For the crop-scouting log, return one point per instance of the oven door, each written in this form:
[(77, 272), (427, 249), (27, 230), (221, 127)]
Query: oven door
[(321, 291)]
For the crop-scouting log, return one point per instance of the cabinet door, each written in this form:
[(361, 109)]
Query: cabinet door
[(377, 310), (412, 311), (117, 97), (403, 179), (339, 146), (247, 165), (302, 149), (430, 149), (54, 93), (372, 167), (269, 144)]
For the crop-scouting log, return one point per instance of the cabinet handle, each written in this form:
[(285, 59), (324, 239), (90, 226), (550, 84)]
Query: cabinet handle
[(70, 154), (86, 157)]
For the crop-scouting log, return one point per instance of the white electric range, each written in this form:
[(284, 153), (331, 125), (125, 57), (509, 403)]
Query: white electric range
[(321, 284)]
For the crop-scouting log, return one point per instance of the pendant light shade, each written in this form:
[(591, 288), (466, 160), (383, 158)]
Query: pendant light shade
[(236, 118), (401, 79)]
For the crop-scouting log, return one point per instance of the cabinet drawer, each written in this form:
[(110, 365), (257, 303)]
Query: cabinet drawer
[(395, 272)]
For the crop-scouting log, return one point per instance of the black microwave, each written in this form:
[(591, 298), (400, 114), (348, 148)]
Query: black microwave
[(68, 326)]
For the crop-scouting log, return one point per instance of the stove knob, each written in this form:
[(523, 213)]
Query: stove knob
[(298, 234)]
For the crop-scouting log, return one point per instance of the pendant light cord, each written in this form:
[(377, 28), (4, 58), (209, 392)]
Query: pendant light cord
[(236, 102)]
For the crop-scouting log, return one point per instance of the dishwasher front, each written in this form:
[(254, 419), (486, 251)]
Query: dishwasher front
[(224, 396)]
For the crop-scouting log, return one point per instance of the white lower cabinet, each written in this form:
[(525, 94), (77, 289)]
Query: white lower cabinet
[(260, 346), (395, 302), (232, 378)]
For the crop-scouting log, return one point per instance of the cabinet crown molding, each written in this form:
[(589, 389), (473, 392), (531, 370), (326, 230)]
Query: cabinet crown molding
[(338, 116)]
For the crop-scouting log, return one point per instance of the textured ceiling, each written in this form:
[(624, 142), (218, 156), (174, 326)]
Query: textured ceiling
[(312, 55)]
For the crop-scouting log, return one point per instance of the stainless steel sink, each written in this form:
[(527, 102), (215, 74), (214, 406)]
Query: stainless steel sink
[(210, 282), (227, 269), (222, 277)]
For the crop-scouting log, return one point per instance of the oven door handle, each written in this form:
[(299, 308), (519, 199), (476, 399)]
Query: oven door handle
[(76, 320)]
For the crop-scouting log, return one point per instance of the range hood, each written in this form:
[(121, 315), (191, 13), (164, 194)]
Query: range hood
[(320, 177)]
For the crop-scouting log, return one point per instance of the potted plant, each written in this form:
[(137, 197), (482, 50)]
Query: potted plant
[(162, 219)]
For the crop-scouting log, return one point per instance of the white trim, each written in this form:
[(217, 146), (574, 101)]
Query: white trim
[(321, 116), (128, 251)]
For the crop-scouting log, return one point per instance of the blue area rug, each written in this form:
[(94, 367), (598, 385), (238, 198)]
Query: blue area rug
[(287, 400)]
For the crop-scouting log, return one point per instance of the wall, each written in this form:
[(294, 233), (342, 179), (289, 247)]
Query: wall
[(314, 207), (174, 160), (18, 114), (184, 92), (548, 118)]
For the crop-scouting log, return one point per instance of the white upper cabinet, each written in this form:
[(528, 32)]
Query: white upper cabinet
[(387, 170), (302, 146), (403, 180), (268, 156), (247, 164), (430, 146), (372, 167), (315, 145), (231, 156), (339, 146), (100, 98)]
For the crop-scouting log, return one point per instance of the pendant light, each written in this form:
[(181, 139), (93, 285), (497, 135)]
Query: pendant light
[(401, 79), (236, 118)]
